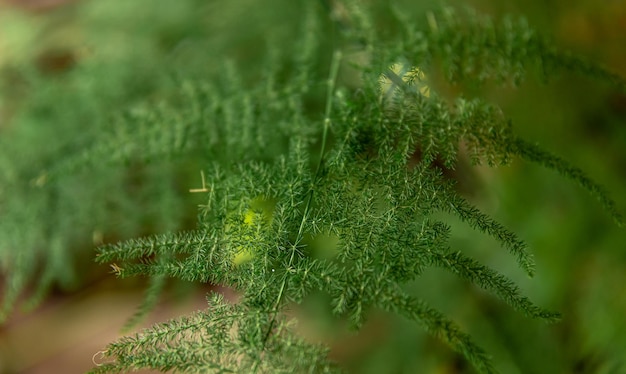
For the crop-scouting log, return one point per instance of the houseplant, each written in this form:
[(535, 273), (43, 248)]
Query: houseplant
[(322, 150)]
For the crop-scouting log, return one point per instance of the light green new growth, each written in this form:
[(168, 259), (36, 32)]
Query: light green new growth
[(311, 130)]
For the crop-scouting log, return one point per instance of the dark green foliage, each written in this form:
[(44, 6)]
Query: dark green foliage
[(322, 176), (224, 339)]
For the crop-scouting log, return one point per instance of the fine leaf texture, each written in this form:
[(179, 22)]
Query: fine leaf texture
[(322, 173)]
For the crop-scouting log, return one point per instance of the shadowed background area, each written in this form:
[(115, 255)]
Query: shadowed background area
[(580, 255)]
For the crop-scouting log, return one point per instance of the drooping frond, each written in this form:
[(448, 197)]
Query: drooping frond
[(438, 325), (489, 279), (149, 302), (534, 153)]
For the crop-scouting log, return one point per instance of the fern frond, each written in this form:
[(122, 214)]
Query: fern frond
[(149, 302), (224, 338), (438, 325), (186, 242), (474, 48), (482, 222), (489, 279), (534, 153)]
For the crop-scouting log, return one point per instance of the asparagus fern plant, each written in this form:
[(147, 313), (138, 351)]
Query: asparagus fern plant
[(321, 170)]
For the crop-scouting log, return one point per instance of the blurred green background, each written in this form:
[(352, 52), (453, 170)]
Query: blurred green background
[(46, 67)]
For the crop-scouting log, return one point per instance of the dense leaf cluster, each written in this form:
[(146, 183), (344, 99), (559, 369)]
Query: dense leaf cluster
[(326, 180)]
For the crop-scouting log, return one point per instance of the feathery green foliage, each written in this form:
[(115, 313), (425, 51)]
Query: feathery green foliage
[(224, 339), (320, 165)]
